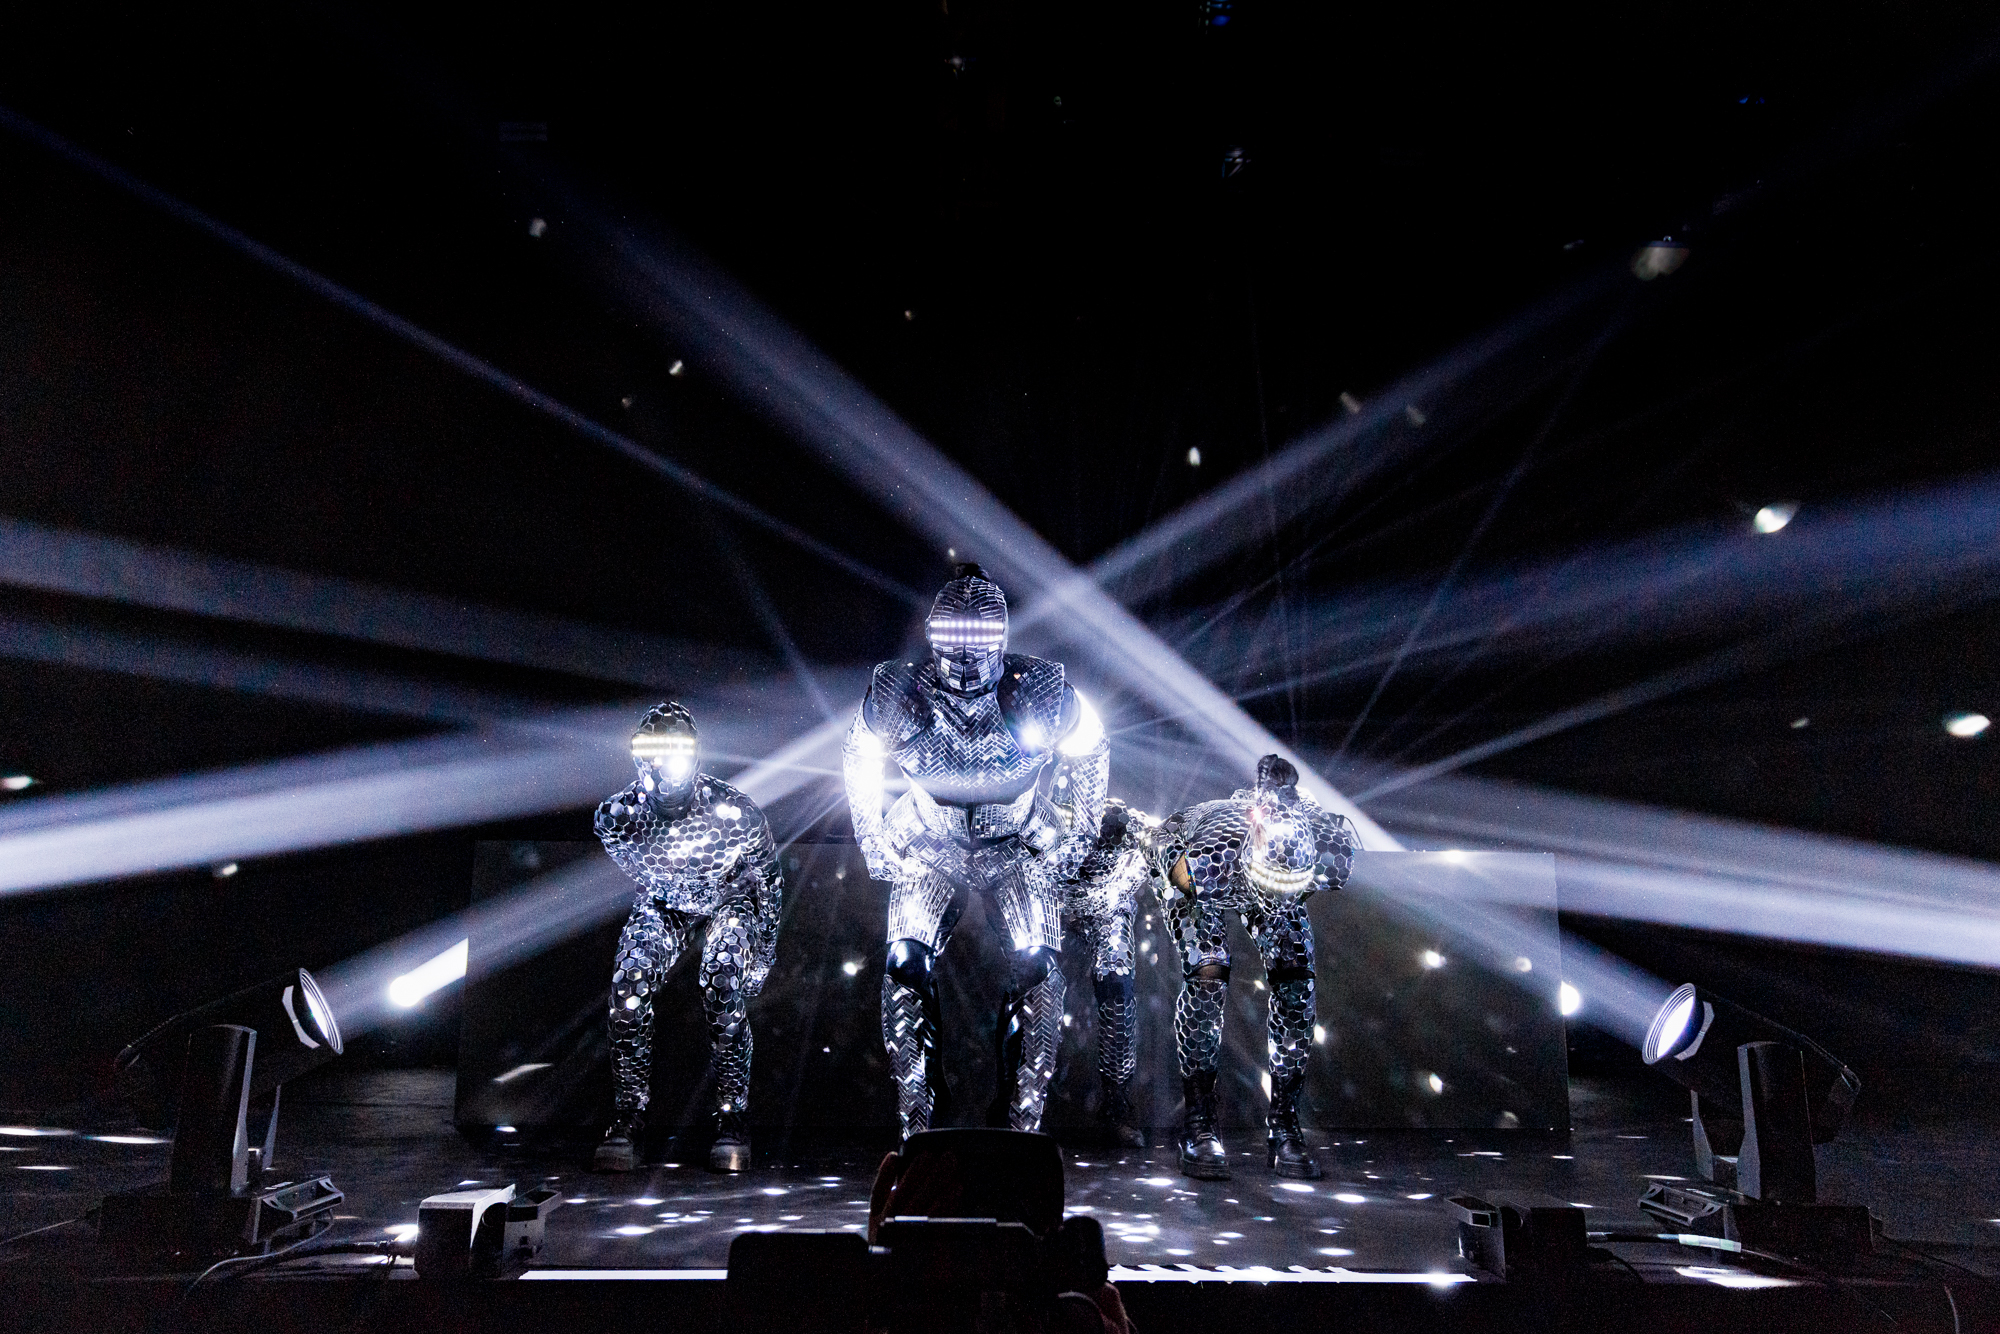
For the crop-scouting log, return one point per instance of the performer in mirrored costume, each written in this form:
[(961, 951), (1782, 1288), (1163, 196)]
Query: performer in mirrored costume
[(1261, 853), (1007, 767), (702, 855), (1099, 903)]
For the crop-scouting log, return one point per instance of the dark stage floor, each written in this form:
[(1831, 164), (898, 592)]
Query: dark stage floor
[(387, 1139)]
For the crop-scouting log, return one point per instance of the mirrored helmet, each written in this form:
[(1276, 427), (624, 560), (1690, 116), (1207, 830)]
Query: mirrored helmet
[(1281, 853), (968, 631), (666, 751)]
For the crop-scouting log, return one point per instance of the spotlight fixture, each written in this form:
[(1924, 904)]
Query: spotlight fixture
[(1657, 259), (1967, 725), (17, 782), (297, 1032), (1770, 1094), (202, 1070), (1774, 516), (1694, 1040)]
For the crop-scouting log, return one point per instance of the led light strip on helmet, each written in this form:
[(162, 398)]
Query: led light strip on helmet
[(966, 631), (656, 745)]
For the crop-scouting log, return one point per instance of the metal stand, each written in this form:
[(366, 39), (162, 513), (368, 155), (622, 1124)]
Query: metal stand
[(1766, 1195), (217, 1201)]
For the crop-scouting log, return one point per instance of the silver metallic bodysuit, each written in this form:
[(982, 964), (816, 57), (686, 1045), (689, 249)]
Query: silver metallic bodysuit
[(707, 858), (1099, 903), (1007, 767), (1261, 853)]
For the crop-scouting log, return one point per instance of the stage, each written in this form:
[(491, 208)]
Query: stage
[(1377, 1222)]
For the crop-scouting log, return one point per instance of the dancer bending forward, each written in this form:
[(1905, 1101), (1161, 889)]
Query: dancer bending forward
[(1260, 853)]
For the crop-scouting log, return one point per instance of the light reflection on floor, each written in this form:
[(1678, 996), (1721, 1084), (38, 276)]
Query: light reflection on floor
[(385, 1137)]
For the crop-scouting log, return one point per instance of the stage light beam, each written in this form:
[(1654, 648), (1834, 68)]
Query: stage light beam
[(1634, 863), (1967, 725), (478, 369), (409, 990)]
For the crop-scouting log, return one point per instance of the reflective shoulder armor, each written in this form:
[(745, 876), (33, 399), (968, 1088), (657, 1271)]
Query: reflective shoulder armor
[(1210, 835), (1333, 834), (1038, 705), (897, 705), (1165, 841), (618, 815)]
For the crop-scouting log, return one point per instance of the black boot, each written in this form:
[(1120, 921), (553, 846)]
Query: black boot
[(619, 1150), (911, 1022), (1116, 1113), (730, 1151), (1286, 1152), (1202, 1154), (1009, 1041)]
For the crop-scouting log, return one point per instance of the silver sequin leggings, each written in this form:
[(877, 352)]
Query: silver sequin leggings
[(1283, 935), (651, 943), (1108, 933), (921, 913)]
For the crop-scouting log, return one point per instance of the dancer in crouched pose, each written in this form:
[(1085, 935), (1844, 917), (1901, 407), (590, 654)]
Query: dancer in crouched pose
[(701, 854)]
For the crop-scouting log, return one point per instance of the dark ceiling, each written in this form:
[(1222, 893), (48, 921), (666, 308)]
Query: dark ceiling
[(1065, 242)]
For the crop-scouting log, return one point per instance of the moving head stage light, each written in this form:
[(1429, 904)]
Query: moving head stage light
[(1762, 1096), (290, 1013), (203, 1070)]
